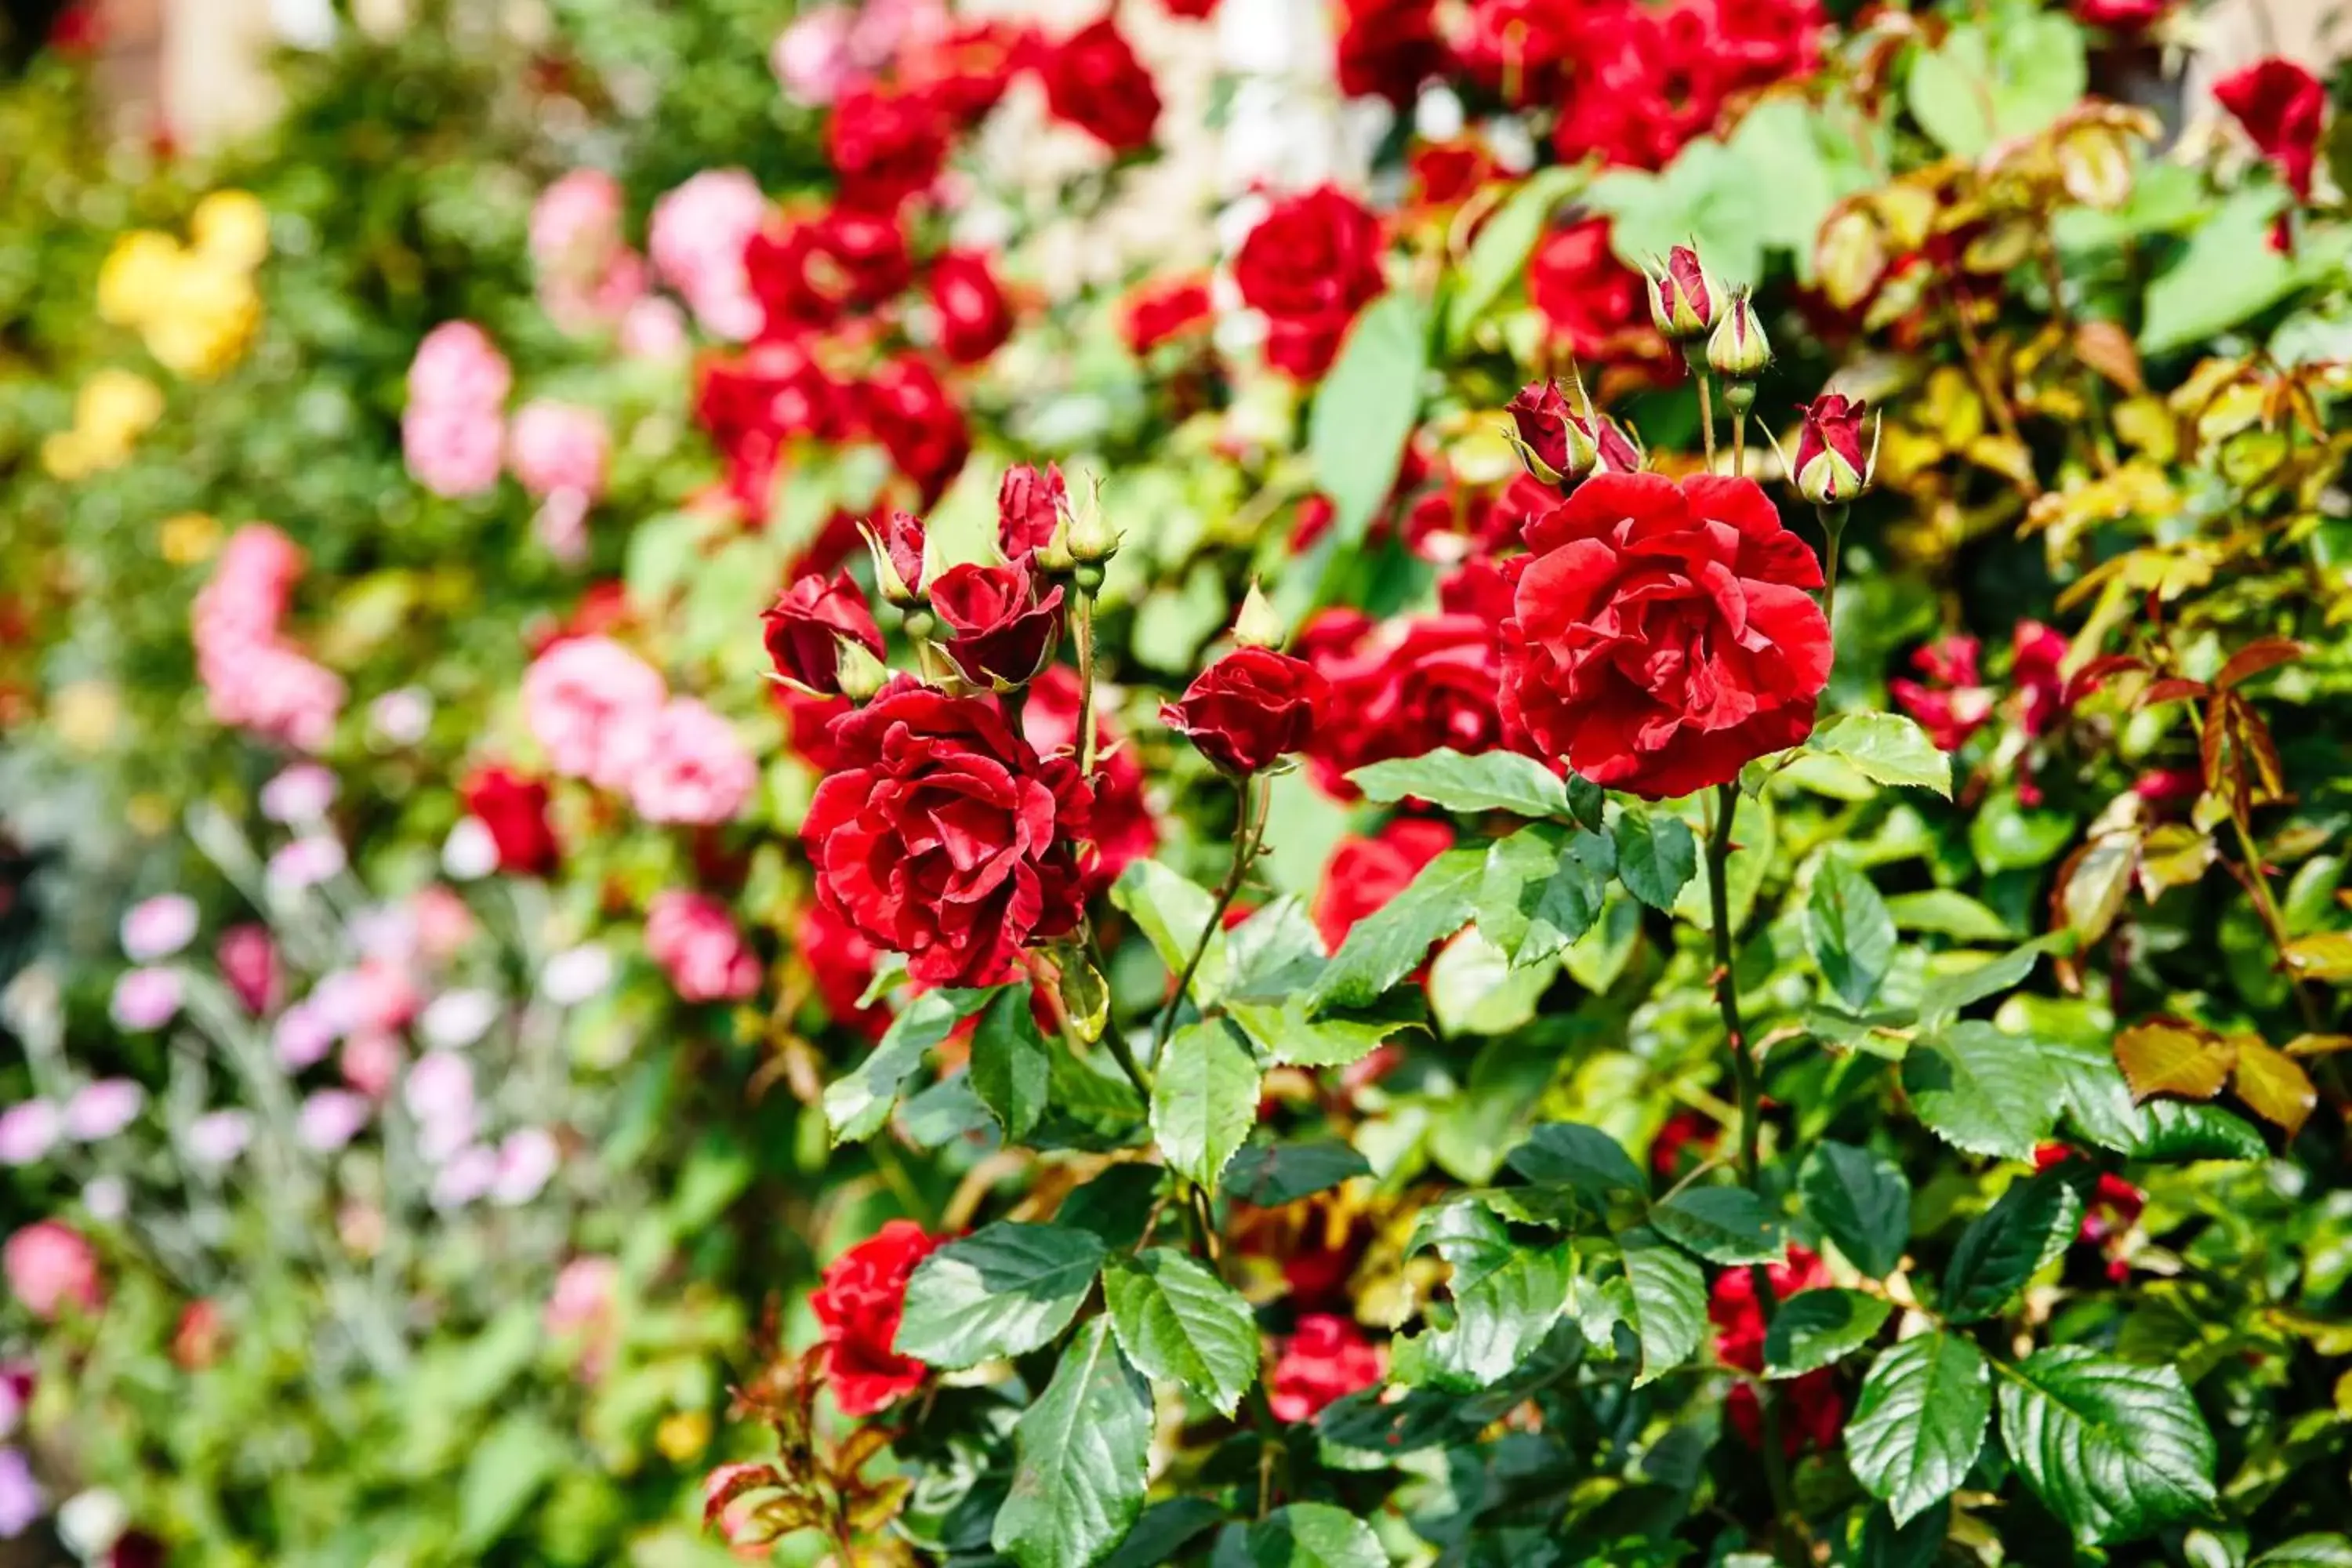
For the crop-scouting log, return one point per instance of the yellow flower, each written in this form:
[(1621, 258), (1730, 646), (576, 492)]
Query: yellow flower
[(232, 226), (137, 276), (113, 408), (682, 1435), (86, 713), (67, 456), (210, 315), (189, 537)]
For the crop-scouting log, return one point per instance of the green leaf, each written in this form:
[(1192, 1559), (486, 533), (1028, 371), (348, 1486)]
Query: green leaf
[(1982, 1090), (509, 1466), (1205, 1099), (1390, 943), (1178, 1322), (1502, 1311), (2099, 1101), (1003, 1291), (1887, 749), (1165, 1530), (1918, 1545), (1312, 1535), (1486, 781), (2008, 1244), (1710, 197), (1722, 1225), (856, 1105), (1116, 1205), (1984, 85), (1945, 996), (1585, 1159), (1271, 1175), (1543, 887), (2227, 273), (1657, 853), (1849, 931), (1273, 953), (1010, 1063), (1919, 1422), (1862, 1201), (1499, 255), (1364, 412), (1814, 1328), (1669, 1302), (1284, 1032), (1081, 1456), (2006, 835), (2116, 1451), (1942, 911), (2308, 1551), (1172, 912)]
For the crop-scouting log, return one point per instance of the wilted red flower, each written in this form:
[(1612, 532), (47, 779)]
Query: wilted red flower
[(1028, 507), (886, 146), (1666, 635), (1003, 627), (1387, 49), (514, 809), (858, 1303), (942, 834), (910, 413), (1327, 1359), (1364, 874), (1951, 701), (1163, 309), (1124, 828), (1590, 301), (806, 625), (973, 318), (1815, 1412), (2280, 106), (1248, 708), (1094, 80), (1309, 265)]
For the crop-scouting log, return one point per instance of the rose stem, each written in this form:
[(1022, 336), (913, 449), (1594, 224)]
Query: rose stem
[(1832, 517), (1739, 442), (1082, 632), (1706, 416)]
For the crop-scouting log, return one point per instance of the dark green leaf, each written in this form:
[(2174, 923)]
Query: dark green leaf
[(1919, 1422), (1503, 1310), (1116, 1205), (1081, 1453), (2116, 1450), (2308, 1551), (1364, 413), (2004, 1247), (1009, 1063), (1583, 1159), (1003, 1291), (1543, 887), (1172, 912), (1270, 1174), (1657, 853), (1885, 1545), (1944, 997), (1722, 1225), (1587, 803), (1669, 1302), (1164, 1530), (1814, 1328), (1982, 1090), (856, 1105), (2099, 1101), (1486, 781), (1389, 943), (1849, 931), (1313, 1535), (1887, 748), (1205, 1099), (1862, 1202), (1178, 1322)]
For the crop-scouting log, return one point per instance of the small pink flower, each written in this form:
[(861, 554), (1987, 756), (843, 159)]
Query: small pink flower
[(439, 1094), (331, 1119), (456, 367), (304, 863), (654, 328), (699, 233), (158, 927), (102, 1109), (248, 961), (590, 703), (693, 937), (145, 999), (695, 768), (444, 925), (580, 1308), (217, 1137), (370, 1061), (452, 450), (304, 1034), (298, 793), (468, 1174), (527, 1159), (28, 1131), (587, 274), (49, 1266), (560, 449)]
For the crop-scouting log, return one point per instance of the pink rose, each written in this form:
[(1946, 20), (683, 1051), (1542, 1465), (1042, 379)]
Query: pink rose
[(458, 366), (560, 449), (590, 703), (158, 927), (698, 232), (695, 767), (453, 449), (50, 1266), (694, 939), (588, 276)]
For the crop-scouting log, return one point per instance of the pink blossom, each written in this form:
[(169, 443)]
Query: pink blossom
[(456, 367), (453, 450), (699, 233), (217, 1137), (439, 1094), (370, 1061), (580, 1308), (654, 328), (103, 1107), (695, 768), (248, 961), (50, 1265), (145, 999), (22, 1500), (158, 927), (304, 863), (470, 1172), (559, 447), (811, 59), (444, 923), (527, 1159), (248, 593), (587, 274), (299, 793), (590, 703), (304, 1034), (331, 1119), (693, 937), (252, 677), (29, 1130)]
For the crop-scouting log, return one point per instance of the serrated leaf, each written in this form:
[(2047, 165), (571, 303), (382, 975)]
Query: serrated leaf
[(1285, 1033), (1887, 749), (1081, 1456), (1164, 1530), (1172, 910), (1919, 1422), (1390, 943), (1943, 996), (2007, 1244), (2274, 1085), (859, 1102), (1849, 931), (1271, 1175), (1812, 1329), (1588, 803), (1003, 1291), (1205, 1099), (1656, 855), (1542, 888), (1273, 953), (1862, 1202), (1180, 1323), (2099, 1102), (1943, 912), (2116, 1451), (1116, 1205), (1504, 1304), (1313, 1535), (1583, 1159), (1722, 1225), (2168, 1057), (1982, 1090), (1484, 781), (1363, 413), (1668, 1296), (1010, 1064)]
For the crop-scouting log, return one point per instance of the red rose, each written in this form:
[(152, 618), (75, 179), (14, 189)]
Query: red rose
[(806, 626), (2280, 106), (973, 318), (1192, 10), (1833, 463), (841, 961), (1402, 688), (1590, 301), (1953, 701), (1003, 629), (1524, 48), (1683, 1132), (1248, 708), (2121, 15), (1028, 507), (858, 1303), (966, 72), (1814, 1412), (514, 809), (1309, 265), (912, 416), (1443, 174), (886, 146), (1648, 83), (1387, 49), (1124, 828), (1093, 81), (1328, 1359), (898, 546), (1557, 443), (811, 273), (943, 835), (1162, 309), (754, 402), (1665, 634), (1366, 873), (1457, 526)]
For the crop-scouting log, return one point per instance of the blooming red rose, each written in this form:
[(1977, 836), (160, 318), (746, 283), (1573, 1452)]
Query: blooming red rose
[(1364, 874), (514, 809), (918, 423), (1248, 708), (1094, 80), (1666, 635), (1311, 264), (809, 274), (756, 402), (1816, 1413), (1327, 1359), (886, 146), (1028, 507), (1004, 626), (1524, 50), (1387, 49), (1444, 174), (1162, 309), (1589, 300), (973, 318), (1399, 689), (805, 627), (858, 1303), (966, 71), (1952, 700), (1124, 828), (2280, 105), (942, 834)]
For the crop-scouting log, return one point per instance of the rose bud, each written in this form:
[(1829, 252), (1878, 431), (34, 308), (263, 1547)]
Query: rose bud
[(1248, 708), (1737, 349), (1540, 422), (810, 625), (1683, 300), (1092, 540), (1257, 626), (1028, 506), (1831, 469), (897, 548), (1003, 629), (861, 674)]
